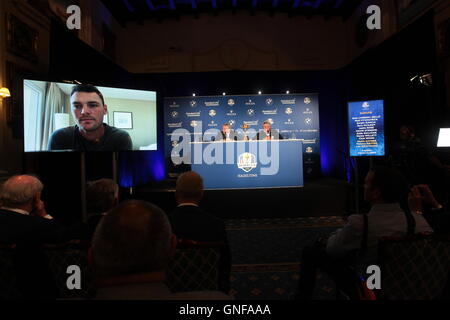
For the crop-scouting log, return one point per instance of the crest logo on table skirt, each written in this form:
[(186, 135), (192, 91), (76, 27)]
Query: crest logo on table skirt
[(247, 162)]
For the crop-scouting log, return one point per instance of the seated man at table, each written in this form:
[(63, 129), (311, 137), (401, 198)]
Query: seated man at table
[(267, 133), (191, 222), (226, 134)]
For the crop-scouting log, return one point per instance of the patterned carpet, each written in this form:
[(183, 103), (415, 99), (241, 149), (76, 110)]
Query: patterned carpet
[(266, 256)]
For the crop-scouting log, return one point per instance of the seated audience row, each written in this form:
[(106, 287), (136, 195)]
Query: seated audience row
[(133, 241)]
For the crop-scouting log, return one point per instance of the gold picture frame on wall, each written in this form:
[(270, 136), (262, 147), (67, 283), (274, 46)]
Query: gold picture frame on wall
[(22, 40)]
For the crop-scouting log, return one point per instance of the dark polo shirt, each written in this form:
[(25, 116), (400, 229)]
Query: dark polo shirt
[(70, 138)]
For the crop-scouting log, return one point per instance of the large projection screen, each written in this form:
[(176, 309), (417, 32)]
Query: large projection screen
[(51, 121)]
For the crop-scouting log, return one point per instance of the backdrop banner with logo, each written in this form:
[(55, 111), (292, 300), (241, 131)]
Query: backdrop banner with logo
[(260, 164), (189, 120)]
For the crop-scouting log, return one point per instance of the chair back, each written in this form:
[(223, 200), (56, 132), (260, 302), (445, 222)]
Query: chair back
[(72, 253), (414, 267), (8, 282), (195, 266)]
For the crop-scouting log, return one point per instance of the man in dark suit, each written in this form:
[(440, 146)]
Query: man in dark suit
[(267, 133), (190, 222), (226, 134), (25, 222), (23, 218)]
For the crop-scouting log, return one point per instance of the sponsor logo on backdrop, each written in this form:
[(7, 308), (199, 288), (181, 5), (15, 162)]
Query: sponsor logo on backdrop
[(267, 112), (194, 123), (270, 120), (309, 150), (212, 103), (307, 111), (307, 100), (250, 103), (193, 114), (291, 101), (251, 112), (269, 101), (309, 141), (308, 121), (231, 123), (231, 102), (175, 125), (309, 130), (247, 162), (174, 114), (289, 122), (212, 113), (212, 124), (231, 113), (289, 111), (309, 170), (309, 161), (251, 123), (193, 103), (174, 105), (365, 105)]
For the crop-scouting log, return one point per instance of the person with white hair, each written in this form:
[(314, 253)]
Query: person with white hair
[(131, 249), (25, 223), (23, 217)]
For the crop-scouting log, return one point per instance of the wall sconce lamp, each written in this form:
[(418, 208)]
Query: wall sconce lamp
[(4, 93)]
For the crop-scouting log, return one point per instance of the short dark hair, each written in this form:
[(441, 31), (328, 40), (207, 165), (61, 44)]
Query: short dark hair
[(87, 88), (100, 195), (392, 184)]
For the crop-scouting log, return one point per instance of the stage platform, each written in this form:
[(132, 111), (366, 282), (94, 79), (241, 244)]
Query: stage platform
[(318, 198)]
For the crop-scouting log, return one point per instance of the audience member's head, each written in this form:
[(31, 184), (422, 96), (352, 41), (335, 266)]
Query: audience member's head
[(135, 237), (189, 188), (101, 195), (21, 192), (385, 185)]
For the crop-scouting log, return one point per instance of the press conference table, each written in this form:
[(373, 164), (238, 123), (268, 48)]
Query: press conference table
[(250, 164)]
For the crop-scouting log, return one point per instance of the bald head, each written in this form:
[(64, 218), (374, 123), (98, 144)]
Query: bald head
[(20, 191), (189, 187), (134, 237)]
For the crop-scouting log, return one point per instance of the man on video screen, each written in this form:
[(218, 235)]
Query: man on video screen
[(90, 133)]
